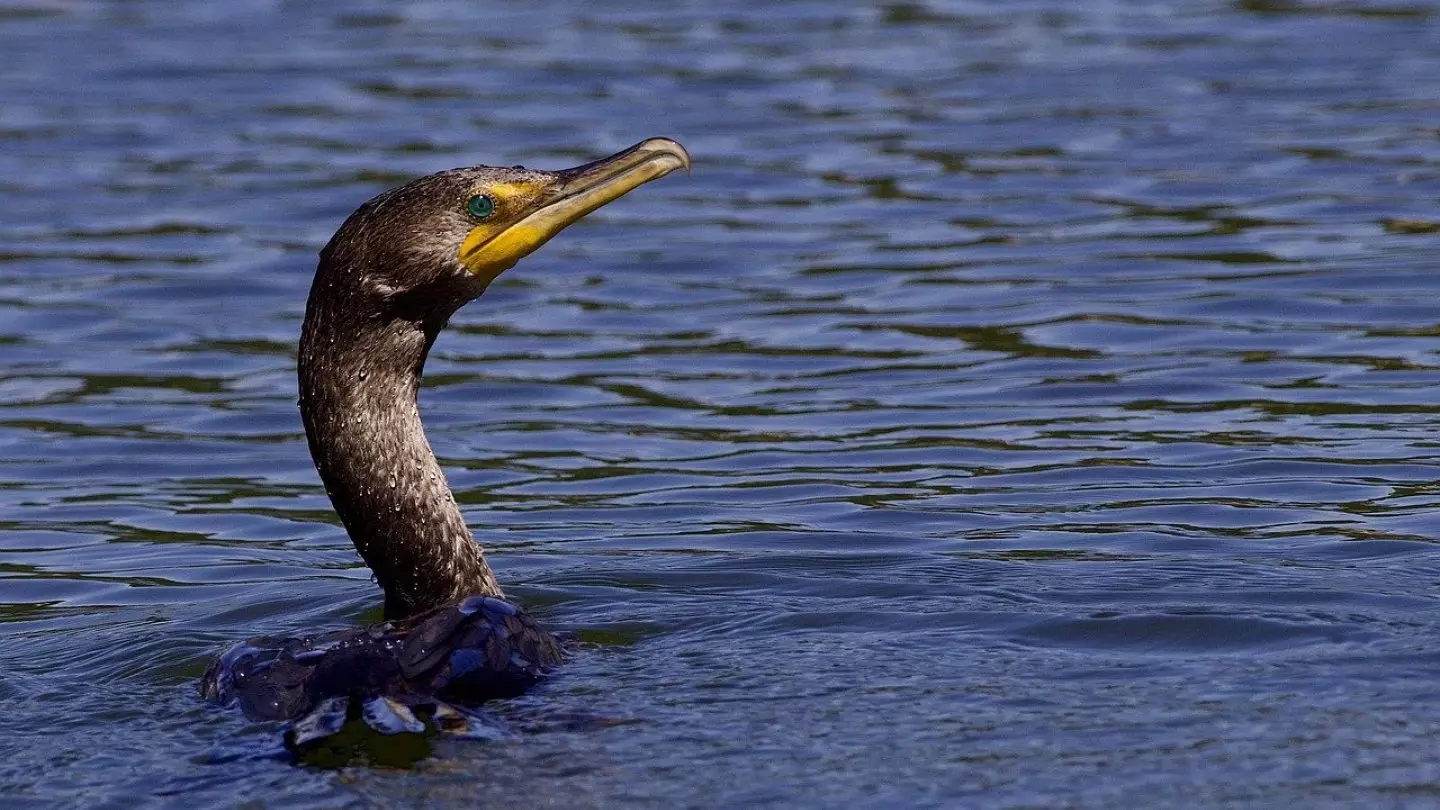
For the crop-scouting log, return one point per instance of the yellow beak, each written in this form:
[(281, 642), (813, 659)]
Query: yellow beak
[(568, 196)]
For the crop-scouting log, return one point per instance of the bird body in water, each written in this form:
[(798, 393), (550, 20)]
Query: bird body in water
[(387, 283)]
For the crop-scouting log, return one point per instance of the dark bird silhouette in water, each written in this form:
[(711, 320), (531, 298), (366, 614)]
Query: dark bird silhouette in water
[(387, 283)]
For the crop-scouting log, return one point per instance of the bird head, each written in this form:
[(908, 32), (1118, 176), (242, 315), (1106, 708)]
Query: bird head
[(437, 242)]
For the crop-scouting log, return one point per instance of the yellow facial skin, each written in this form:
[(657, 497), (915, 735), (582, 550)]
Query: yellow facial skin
[(529, 213)]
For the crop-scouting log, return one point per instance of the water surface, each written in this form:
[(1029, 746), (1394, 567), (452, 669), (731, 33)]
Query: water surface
[(1021, 405)]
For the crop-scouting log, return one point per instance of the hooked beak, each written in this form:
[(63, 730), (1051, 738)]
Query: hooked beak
[(570, 194)]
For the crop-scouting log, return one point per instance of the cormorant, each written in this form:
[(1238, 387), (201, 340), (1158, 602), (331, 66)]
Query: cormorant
[(387, 283)]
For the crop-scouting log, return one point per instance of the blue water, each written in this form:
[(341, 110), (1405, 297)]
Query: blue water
[(1022, 404)]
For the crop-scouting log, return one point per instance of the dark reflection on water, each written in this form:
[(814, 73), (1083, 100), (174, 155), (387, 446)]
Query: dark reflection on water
[(1023, 404)]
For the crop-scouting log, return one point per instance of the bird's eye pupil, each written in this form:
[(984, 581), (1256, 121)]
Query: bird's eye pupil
[(480, 206)]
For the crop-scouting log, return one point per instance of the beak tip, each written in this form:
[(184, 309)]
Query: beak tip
[(668, 146)]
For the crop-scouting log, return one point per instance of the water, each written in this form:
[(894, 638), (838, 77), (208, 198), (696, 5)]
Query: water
[(1021, 405)]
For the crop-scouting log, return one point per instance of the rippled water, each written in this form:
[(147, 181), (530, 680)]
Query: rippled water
[(1022, 404)]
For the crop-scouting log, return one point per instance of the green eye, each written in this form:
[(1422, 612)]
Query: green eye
[(480, 206)]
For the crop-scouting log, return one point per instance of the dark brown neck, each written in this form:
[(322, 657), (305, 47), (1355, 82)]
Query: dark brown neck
[(359, 374)]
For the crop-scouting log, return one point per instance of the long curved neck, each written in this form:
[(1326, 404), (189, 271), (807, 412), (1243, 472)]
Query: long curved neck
[(359, 377)]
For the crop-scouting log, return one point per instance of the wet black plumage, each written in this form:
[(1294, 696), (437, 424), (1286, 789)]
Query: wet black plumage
[(464, 654)]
